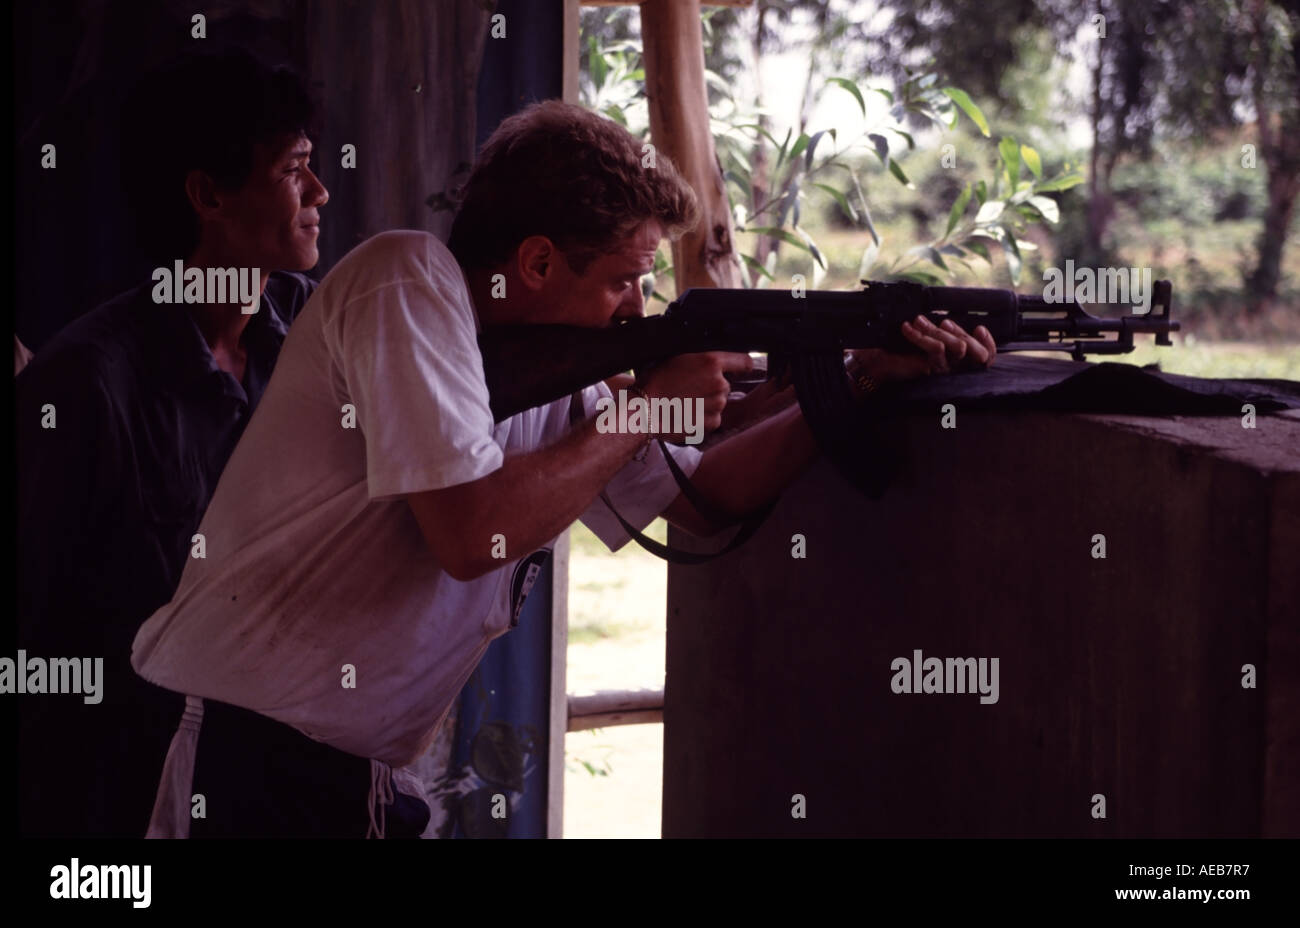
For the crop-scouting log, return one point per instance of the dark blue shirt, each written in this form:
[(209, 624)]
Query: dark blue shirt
[(108, 502)]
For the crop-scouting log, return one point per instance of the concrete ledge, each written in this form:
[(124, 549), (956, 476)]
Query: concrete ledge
[(1119, 677)]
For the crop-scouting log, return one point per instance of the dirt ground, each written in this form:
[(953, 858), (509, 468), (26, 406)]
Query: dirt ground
[(617, 607)]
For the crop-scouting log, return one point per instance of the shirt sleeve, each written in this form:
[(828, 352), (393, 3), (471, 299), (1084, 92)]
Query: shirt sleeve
[(640, 491), (409, 356)]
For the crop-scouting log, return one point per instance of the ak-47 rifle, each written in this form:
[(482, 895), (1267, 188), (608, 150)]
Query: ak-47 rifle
[(530, 365)]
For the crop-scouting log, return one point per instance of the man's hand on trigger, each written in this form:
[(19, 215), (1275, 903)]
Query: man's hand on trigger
[(945, 349), (696, 377)]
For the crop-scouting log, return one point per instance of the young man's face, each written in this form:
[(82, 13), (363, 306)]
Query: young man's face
[(273, 221), (610, 288)]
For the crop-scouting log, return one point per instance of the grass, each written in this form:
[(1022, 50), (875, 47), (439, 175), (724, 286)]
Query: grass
[(599, 593), (1196, 358)]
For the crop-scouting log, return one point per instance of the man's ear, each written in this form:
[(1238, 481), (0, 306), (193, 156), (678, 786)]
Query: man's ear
[(537, 260), (202, 194)]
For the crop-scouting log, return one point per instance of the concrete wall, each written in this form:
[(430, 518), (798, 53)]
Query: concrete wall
[(1119, 676)]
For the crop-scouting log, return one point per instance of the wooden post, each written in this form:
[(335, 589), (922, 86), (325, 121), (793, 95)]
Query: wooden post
[(679, 128), (572, 52)]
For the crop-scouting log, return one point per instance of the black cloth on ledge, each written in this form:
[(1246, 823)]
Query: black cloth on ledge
[(1017, 382)]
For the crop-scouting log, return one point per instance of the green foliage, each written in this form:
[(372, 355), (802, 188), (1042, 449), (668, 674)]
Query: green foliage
[(1205, 190), (597, 768), (1016, 201), (1168, 77), (807, 162), (821, 163)]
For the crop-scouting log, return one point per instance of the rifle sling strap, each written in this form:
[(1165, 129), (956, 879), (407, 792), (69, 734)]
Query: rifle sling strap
[(748, 526)]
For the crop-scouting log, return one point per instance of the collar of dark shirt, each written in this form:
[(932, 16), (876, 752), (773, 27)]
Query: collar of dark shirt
[(181, 355)]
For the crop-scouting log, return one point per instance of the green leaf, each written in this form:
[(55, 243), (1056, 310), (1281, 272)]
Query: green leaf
[(868, 259), (781, 154), (980, 249), (812, 147), (717, 82), (761, 131), (871, 226), (1012, 252), (1031, 160), (963, 100), (958, 208), (755, 266), (882, 147), (740, 172), (599, 66), (884, 93), (812, 247), (851, 88), (1010, 152), (780, 234), (866, 210), (989, 211), (934, 256), (921, 277), (898, 172), (841, 199), (911, 143), (1062, 182), (615, 112), (1047, 206), (800, 144), (981, 192)]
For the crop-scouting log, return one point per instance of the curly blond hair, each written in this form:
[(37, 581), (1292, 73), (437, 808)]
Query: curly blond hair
[(562, 171)]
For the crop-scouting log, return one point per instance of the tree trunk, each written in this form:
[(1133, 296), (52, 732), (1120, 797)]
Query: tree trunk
[(1097, 207), (1283, 187), (1279, 147), (759, 180), (679, 126)]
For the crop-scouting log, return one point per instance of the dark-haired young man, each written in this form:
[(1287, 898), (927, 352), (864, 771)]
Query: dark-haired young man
[(364, 539), (125, 421)]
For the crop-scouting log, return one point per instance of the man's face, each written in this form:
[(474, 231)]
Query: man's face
[(273, 221), (610, 288)]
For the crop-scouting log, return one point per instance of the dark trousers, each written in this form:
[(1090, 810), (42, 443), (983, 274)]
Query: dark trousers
[(91, 770), (263, 779)]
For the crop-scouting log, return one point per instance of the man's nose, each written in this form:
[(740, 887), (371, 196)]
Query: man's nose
[(633, 305), (316, 194)]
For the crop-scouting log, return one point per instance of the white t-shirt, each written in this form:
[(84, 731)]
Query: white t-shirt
[(315, 572)]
